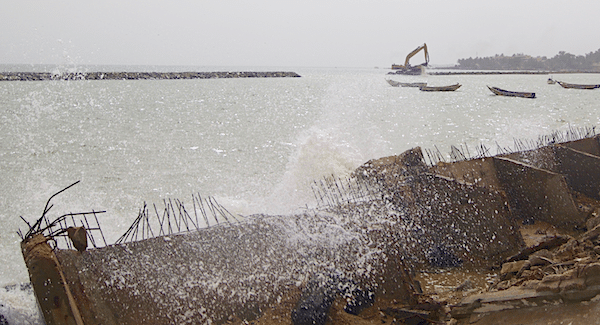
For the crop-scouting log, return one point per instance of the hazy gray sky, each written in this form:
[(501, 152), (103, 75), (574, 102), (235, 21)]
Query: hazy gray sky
[(311, 33)]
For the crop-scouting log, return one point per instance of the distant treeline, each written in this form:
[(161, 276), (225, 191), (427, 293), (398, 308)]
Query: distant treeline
[(563, 61)]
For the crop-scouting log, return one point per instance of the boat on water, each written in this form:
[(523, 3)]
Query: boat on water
[(442, 88), (413, 84), (393, 83), (502, 92), (551, 81), (577, 86)]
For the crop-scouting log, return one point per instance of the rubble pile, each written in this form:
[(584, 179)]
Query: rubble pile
[(555, 269), (552, 196)]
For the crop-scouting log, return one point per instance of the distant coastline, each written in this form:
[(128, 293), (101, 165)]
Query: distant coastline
[(563, 61), (41, 76)]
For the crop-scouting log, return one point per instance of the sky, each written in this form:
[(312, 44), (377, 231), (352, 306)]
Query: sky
[(286, 33)]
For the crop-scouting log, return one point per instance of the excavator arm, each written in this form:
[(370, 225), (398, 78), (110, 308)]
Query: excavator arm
[(407, 68), (413, 53)]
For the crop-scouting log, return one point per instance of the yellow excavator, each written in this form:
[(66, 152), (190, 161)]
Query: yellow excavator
[(407, 68)]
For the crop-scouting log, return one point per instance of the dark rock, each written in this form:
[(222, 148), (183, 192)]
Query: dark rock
[(78, 236)]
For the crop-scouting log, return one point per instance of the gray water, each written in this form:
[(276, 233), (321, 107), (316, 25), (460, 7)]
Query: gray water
[(256, 145)]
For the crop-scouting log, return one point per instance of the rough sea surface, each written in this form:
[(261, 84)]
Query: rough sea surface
[(255, 145)]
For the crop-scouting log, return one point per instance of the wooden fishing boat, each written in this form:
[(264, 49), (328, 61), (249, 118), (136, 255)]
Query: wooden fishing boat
[(393, 83), (442, 88), (503, 92), (413, 84), (576, 86)]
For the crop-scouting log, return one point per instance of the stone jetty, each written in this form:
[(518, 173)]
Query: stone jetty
[(41, 76)]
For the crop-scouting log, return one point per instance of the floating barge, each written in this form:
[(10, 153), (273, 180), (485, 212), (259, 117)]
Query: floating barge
[(353, 259)]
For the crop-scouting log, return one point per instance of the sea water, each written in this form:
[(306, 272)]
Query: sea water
[(255, 145)]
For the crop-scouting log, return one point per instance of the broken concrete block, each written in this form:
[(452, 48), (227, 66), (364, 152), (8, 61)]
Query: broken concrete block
[(535, 260), (572, 284), (591, 234), (543, 253), (588, 145), (580, 169), (592, 222), (466, 309), (390, 169), (549, 283), (568, 251), (591, 273), (463, 222), (50, 286), (503, 285), (548, 242), (531, 284), (513, 267), (536, 274), (537, 194), (541, 158), (481, 172)]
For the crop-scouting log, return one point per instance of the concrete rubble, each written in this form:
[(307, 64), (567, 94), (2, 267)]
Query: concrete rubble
[(457, 243)]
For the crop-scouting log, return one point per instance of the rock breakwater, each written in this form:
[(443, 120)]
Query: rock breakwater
[(41, 76)]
